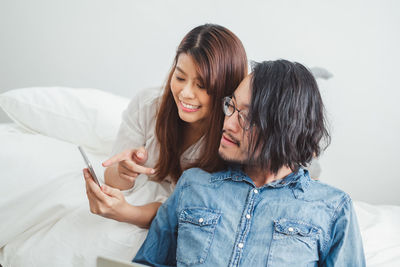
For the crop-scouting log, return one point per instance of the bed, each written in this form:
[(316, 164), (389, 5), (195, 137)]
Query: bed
[(44, 212)]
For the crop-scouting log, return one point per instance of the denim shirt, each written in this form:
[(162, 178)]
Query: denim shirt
[(223, 219)]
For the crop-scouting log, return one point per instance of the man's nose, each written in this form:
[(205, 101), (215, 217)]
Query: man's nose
[(231, 123)]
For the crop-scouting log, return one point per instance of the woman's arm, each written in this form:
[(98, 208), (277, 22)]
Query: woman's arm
[(141, 216), (137, 120), (110, 203)]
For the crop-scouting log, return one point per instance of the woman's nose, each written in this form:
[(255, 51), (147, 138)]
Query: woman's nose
[(188, 91)]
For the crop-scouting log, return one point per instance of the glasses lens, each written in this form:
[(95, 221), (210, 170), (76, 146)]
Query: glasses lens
[(244, 121), (228, 106)]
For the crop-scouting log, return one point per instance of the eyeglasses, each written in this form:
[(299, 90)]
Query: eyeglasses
[(229, 108)]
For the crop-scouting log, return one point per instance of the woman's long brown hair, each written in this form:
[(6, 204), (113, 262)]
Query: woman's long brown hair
[(221, 64)]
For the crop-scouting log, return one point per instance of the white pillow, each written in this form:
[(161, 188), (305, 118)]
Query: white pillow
[(88, 117)]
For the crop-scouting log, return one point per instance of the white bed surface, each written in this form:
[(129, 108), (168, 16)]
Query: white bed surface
[(380, 230)]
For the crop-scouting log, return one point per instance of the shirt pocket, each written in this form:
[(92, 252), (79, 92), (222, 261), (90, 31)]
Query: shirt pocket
[(294, 243), (195, 234)]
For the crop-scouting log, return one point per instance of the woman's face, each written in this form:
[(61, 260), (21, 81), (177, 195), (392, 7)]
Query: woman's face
[(190, 96)]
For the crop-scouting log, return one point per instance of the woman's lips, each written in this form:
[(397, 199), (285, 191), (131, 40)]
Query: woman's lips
[(188, 108)]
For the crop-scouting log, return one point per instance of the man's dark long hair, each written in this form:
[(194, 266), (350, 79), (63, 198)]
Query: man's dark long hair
[(287, 116)]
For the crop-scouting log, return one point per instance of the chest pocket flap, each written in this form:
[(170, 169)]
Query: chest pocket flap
[(199, 216), (292, 228)]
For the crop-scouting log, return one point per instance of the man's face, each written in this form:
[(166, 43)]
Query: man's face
[(235, 140)]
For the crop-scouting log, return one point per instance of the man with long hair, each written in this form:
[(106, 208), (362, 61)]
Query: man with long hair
[(263, 209)]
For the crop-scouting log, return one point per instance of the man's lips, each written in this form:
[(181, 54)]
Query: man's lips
[(229, 139)]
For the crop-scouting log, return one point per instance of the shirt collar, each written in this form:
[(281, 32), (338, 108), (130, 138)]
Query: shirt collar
[(299, 180)]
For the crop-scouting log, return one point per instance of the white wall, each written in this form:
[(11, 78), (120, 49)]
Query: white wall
[(125, 45)]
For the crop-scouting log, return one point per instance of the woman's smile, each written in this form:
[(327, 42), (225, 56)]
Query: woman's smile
[(188, 108)]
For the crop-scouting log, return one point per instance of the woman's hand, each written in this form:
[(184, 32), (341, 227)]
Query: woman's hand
[(130, 163), (123, 168), (110, 203), (105, 201)]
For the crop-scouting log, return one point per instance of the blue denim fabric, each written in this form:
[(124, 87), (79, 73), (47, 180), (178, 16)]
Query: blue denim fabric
[(222, 219)]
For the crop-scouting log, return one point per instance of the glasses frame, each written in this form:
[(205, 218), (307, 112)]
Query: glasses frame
[(242, 120)]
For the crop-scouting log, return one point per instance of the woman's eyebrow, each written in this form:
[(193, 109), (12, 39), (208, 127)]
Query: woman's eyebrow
[(184, 73), (180, 70)]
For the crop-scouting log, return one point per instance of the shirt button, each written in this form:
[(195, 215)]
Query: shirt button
[(248, 216), (255, 191), (240, 245), (290, 229), (201, 220)]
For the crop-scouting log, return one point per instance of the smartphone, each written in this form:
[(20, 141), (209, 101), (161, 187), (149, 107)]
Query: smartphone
[(89, 165)]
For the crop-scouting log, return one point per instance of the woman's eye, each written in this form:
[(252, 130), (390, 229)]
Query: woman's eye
[(179, 78), (200, 86)]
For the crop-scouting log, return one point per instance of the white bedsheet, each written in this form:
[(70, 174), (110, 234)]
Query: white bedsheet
[(380, 231), (44, 213), (45, 218)]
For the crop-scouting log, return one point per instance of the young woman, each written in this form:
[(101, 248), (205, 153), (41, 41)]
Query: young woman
[(162, 135)]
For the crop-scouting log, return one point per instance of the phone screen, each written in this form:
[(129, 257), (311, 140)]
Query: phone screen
[(89, 165)]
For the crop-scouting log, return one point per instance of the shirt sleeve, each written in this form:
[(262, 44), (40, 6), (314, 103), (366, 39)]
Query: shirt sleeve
[(159, 248), (137, 125), (346, 248), (131, 133)]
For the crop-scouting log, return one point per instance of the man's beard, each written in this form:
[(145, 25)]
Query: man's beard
[(233, 160)]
